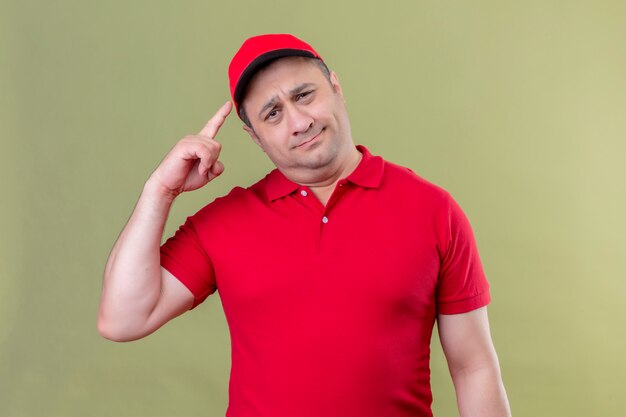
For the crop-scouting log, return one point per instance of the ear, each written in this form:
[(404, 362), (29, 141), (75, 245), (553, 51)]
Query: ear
[(253, 135), (334, 81)]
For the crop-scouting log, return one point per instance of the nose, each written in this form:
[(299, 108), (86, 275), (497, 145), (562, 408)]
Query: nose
[(300, 120)]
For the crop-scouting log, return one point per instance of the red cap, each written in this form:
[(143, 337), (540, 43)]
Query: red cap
[(257, 51)]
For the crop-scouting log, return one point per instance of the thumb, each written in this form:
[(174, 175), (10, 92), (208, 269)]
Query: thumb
[(216, 170)]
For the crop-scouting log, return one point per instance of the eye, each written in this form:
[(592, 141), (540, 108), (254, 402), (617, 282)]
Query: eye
[(272, 114), (303, 95)]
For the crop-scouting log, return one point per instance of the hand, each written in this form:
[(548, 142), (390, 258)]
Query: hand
[(193, 161)]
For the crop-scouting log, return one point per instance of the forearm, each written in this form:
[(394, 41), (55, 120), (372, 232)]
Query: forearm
[(132, 277), (480, 392)]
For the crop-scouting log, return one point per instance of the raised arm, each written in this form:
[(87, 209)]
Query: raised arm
[(138, 295), (473, 364)]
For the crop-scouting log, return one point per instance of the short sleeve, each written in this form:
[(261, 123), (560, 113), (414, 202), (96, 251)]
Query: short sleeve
[(184, 257), (461, 285)]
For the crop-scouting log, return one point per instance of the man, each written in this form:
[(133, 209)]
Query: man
[(331, 270)]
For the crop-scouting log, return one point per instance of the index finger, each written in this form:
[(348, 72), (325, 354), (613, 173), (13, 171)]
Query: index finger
[(214, 124)]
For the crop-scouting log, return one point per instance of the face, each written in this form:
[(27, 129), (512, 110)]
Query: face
[(298, 118)]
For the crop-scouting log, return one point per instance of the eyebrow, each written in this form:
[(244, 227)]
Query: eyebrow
[(294, 91)]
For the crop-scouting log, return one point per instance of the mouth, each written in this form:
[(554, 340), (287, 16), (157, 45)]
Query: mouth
[(310, 140)]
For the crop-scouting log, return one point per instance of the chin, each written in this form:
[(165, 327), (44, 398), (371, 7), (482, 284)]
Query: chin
[(319, 158)]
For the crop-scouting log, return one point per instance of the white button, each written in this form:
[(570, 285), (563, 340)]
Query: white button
[(303, 193), (324, 219)]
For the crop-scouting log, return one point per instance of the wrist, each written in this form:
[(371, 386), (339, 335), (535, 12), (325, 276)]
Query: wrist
[(156, 192)]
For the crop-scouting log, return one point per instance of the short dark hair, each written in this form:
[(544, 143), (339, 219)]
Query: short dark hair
[(242, 112)]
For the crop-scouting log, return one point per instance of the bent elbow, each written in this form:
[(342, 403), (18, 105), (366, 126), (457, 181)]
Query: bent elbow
[(105, 331), (114, 333)]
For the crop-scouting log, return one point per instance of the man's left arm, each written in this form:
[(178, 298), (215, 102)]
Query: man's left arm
[(473, 364)]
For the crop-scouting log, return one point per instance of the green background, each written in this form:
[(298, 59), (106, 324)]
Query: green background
[(517, 108)]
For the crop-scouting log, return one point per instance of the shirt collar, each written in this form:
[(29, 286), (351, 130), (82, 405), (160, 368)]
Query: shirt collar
[(368, 174)]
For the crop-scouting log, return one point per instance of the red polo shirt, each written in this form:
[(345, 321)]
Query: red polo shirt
[(331, 309)]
